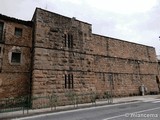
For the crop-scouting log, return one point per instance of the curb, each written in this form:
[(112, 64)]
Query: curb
[(69, 107), (116, 101)]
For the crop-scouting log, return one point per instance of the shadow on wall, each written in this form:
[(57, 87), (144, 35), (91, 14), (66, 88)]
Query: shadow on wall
[(158, 82)]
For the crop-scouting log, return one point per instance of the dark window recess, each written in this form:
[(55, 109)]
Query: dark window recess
[(72, 81), (1, 31), (69, 40), (54, 29), (0, 50), (18, 32), (16, 57), (111, 81), (65, 40), (69, 81), (66, 83)]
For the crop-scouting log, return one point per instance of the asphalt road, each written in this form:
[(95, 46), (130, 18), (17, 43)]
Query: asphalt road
[(146, 110)]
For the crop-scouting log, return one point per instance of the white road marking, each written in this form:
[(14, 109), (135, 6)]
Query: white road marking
[(148, 100), (82, 109), (110, 118), (152, 101), (155, 101)]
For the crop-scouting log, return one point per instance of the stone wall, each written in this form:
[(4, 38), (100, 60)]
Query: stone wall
[(64, 56), (97, 63), (15, 77)]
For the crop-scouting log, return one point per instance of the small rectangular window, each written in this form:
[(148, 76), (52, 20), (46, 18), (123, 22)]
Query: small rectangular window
[(16, 57), (1, 31), (18, 32), (0, 50)]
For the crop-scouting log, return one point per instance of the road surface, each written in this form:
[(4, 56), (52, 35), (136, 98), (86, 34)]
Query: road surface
[(144, 110)]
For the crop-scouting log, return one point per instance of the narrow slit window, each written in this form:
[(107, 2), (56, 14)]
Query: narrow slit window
[(0, 50), (65, 81), (69, 81), (72, 83), (68, 39), (71, 41), (65, 40)]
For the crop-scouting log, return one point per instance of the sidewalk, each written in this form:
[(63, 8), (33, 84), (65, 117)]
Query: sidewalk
[(137, 98), (70, 107)]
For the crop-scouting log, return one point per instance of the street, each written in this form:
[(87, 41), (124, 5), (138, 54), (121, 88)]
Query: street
[(142, 110)]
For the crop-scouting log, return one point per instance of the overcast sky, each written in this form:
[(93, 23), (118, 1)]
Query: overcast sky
[(131, 20)]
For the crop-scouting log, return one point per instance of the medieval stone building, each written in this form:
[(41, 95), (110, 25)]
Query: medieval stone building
[(55, 54)]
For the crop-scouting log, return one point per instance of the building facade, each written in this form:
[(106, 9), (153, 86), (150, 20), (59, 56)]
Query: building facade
[(56, 54), (15, 56)]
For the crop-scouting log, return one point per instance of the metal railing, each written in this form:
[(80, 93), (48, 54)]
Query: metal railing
[(27, 103), (13, 104)]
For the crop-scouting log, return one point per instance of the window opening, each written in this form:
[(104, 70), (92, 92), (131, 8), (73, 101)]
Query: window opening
[(69, 83), (16, 57), (18, 32), (1, 31)]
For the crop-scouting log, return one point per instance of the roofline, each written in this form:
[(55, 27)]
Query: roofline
[(122, 40), (12, 19), (61, 15)]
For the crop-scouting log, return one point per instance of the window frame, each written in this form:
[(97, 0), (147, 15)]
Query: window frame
[(68, 40), (18, 32), (1, 31), (10, 55), (69, 81), (13, 61)]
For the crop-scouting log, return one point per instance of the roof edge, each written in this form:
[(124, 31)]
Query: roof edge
[(61, 15), (12, 19), (121, 40)]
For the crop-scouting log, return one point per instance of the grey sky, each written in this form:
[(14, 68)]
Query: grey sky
[(131, 20)]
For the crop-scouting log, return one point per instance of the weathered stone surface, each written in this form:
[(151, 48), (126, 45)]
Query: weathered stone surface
[(65, 48), (14, 84), (98, 63), (15, 78)]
